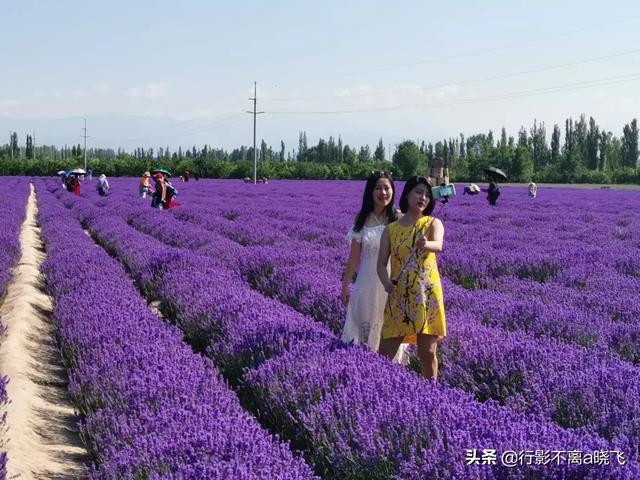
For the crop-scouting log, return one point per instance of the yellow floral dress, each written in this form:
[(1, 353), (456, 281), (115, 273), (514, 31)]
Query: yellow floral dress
[(416, 305)]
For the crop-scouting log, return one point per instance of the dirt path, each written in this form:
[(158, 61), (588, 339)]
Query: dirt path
[(42, 440)]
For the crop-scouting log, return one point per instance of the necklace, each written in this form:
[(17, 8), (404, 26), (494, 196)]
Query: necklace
[(380, 222)]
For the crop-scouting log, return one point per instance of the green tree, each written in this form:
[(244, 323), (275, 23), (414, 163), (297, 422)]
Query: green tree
[(302, 145), (503, 138), (570, 165), (264, 154), (538, 145), (28, 151), (555, 144), (592, 143), (349, 155), (365, 155), (523, 139), (522, 166), (14, 148), (378, 155), (568, 135), (630, 144), (408, 159), (580, 139), (604, 145)]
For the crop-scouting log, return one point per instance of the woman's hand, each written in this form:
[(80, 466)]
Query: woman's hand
[(422, 245), (344, 295), (389, 288)]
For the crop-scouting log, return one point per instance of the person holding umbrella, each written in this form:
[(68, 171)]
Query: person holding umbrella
[(75, 183), (414, 312), (493, 191)]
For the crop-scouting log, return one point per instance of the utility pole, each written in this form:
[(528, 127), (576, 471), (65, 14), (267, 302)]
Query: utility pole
[(255, 152), (11, 145), (85, 144), (34, 144)]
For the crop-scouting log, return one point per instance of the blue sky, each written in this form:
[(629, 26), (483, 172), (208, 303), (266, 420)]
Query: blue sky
[(179, 73)]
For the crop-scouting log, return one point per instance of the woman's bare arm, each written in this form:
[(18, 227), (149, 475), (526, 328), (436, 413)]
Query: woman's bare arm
[(383, 259), (350, 270), (434, 240)]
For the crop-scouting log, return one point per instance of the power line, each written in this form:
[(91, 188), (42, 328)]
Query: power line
[(458, 82), (523, 93), (497, 47)]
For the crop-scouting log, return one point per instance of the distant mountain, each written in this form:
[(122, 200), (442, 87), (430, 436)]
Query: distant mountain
[(118, 130)]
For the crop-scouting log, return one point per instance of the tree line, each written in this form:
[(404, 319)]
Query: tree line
[(581, 152)]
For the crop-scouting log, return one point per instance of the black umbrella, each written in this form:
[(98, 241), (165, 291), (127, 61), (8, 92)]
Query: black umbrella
[(495, 173)]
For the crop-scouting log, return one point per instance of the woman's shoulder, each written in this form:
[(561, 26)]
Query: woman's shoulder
[(428, 219)]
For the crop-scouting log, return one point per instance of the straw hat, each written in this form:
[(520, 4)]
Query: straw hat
[(146, 174)]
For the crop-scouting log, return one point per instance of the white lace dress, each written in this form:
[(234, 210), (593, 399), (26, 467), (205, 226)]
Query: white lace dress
[(365, 312)]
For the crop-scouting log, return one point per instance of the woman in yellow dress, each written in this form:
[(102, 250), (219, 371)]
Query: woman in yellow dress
[(415, 308)]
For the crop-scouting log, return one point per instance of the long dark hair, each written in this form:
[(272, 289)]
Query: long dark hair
[(367, 201), (410, 185)]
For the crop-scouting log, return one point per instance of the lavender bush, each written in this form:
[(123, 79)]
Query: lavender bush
[(274, 403)]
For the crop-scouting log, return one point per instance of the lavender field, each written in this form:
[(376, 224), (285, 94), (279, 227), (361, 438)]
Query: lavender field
[(241, 375)]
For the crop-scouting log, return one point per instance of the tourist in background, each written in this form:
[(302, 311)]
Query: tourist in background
[(75, 184), (493, 193), (159, 197), (144, 186), (103, 186)]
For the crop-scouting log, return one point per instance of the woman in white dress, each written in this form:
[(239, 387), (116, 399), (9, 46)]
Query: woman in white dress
[(365, 304)]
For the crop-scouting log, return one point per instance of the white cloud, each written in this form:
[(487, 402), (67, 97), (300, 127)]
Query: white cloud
[(78, 93), (102, 88), (9, 104), (354, 91), (151, 90)]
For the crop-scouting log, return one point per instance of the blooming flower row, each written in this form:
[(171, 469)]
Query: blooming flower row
[(152, 408)]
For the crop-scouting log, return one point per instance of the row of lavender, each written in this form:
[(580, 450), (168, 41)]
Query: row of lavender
[(14, 192), (152, 409), (165, 229), (565, 390)]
